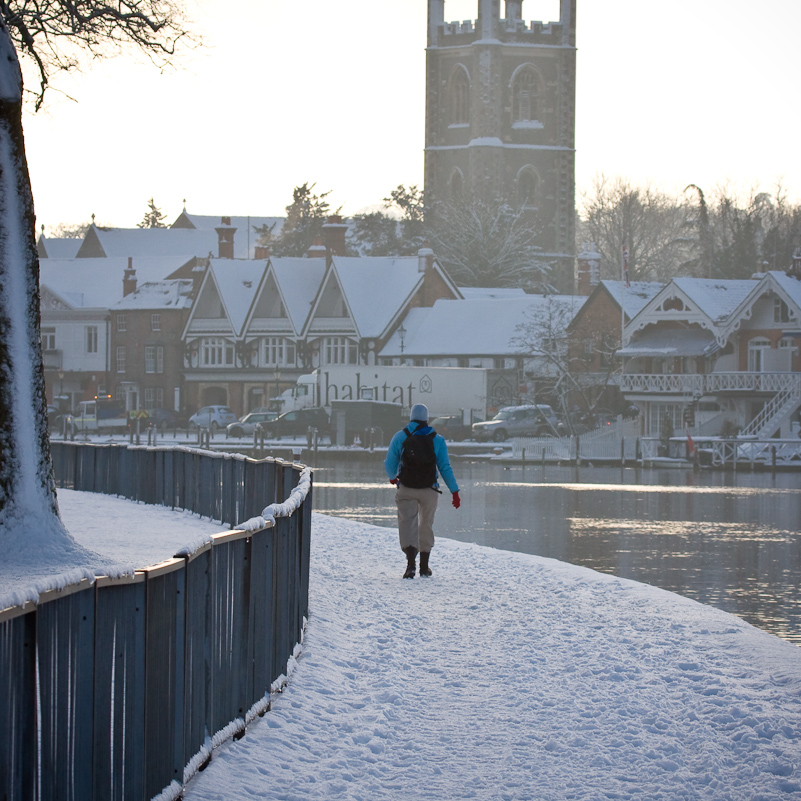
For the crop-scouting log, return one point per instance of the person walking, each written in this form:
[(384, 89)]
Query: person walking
[(415, 455)]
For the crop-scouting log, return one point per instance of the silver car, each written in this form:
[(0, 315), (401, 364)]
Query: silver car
[(212, 417), (536, 420)]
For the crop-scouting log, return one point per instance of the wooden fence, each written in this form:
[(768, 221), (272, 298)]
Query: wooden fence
[(116, 688)]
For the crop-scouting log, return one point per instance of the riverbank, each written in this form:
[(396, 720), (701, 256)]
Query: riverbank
[(505, 676)]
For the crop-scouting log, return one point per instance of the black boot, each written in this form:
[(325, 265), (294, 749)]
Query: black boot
[(411, 555), (425, 570)]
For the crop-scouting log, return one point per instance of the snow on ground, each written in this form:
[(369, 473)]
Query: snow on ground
[(505, 676), (509, 676)]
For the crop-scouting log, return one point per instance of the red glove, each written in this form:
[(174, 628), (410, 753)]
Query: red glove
[(456, 501), (394, 481)]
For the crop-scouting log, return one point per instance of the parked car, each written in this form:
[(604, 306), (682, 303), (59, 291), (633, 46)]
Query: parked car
[(536, 420), (297, 423), (452, 427), (247, 425), (212, 417)]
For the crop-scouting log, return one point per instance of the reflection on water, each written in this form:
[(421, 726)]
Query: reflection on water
[(730, 540)]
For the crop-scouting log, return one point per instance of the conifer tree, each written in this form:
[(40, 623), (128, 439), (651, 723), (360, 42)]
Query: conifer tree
[(153, 217)]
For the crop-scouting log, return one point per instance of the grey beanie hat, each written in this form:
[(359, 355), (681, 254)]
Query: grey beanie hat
[(419, 413)]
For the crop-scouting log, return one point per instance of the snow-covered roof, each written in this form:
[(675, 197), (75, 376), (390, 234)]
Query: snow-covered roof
[(299, 280), (790, 285), (245, 238), (148, 242), (58, 248), (376, 289), (158, 295), (472, 327), (238, 281), (716, 298), (665, 342), (97, 283), (491, 292), (635, 296)]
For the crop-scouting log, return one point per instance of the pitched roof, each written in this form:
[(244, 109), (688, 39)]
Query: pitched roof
[(148, 242), (662, 342), (716, 298), (299, 281), (58, 248), (635, 296), (97, 283), (245, 238), (472, 327), (162, 295), (238, 282), (376, 289)]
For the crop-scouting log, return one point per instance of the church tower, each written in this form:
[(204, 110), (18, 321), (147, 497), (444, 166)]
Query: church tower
[(500, 116)]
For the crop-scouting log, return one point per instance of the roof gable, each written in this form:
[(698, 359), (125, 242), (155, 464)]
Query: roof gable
[(299, 281), (147, 242)]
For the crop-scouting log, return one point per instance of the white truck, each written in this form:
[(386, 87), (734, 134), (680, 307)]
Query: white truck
[(445, 390), (101, 415)]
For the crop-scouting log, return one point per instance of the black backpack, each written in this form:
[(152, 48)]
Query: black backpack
[(418, 466)]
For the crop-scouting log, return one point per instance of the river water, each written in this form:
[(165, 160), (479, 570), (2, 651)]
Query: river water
[(726, 539)]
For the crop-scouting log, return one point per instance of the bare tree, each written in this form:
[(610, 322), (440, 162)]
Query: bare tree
[(650, 223), (482, 243), (58, 35), (28, 508), (557, 363)]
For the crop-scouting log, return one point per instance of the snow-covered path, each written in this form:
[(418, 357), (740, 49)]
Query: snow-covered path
[(508, 676)]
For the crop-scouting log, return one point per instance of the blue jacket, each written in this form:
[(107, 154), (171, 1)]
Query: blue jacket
[(392, 462)]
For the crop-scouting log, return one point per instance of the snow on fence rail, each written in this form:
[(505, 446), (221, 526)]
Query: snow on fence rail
[(110, 689)]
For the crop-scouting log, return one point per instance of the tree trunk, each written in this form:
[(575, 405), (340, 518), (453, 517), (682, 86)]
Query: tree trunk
[(27, 492)]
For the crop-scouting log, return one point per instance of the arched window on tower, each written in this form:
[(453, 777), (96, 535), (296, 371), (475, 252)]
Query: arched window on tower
[(460, 97), (527, 188), (526, 96), (457, 186)]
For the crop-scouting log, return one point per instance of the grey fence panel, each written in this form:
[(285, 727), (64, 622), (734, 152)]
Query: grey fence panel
[(230, 576), (197, 652), (164, 674), (261, 611), (65, 632), (119, 747), (18, 743)]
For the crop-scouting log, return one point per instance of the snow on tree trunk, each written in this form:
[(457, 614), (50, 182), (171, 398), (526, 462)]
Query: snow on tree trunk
[(28, 507)]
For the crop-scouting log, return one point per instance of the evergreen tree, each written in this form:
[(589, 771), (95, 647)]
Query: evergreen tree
[(305, 217), (153, 217)]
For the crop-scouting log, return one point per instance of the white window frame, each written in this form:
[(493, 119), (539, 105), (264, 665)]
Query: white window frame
[(154, 358), (122, 323), (120, 357), (155, 322), (216, 352), (48, 337)]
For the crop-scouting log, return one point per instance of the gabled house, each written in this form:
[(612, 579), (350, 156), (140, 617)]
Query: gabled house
[(145, 344), (362, 301), (76, 296), (99, 243), (717, 356)]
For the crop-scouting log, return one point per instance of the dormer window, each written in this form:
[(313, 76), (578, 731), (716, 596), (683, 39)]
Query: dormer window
[(781, 314)]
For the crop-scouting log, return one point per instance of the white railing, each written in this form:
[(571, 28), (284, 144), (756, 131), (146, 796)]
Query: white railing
[(775, 412), (712, 383), (751, 382), (675, 384)]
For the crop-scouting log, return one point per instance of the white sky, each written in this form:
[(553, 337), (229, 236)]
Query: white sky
[(333, 93)]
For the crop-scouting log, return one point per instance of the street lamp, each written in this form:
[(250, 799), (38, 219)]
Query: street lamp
[(402, 335)]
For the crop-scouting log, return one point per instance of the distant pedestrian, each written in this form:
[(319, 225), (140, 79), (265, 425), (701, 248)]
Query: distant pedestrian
[(416, 454)]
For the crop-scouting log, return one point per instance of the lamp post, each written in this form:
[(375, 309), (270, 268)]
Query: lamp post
[(402, 335)]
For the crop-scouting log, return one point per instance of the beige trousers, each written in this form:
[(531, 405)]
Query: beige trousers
[(416, 509)]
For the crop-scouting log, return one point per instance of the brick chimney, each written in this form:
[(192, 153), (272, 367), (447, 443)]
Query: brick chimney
[(588, 270), (425, 258), (317, 249), (225, 238), (261, 252), (334, 236), (129, 279)]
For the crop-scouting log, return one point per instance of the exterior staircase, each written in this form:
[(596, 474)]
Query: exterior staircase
[(776, 411)]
